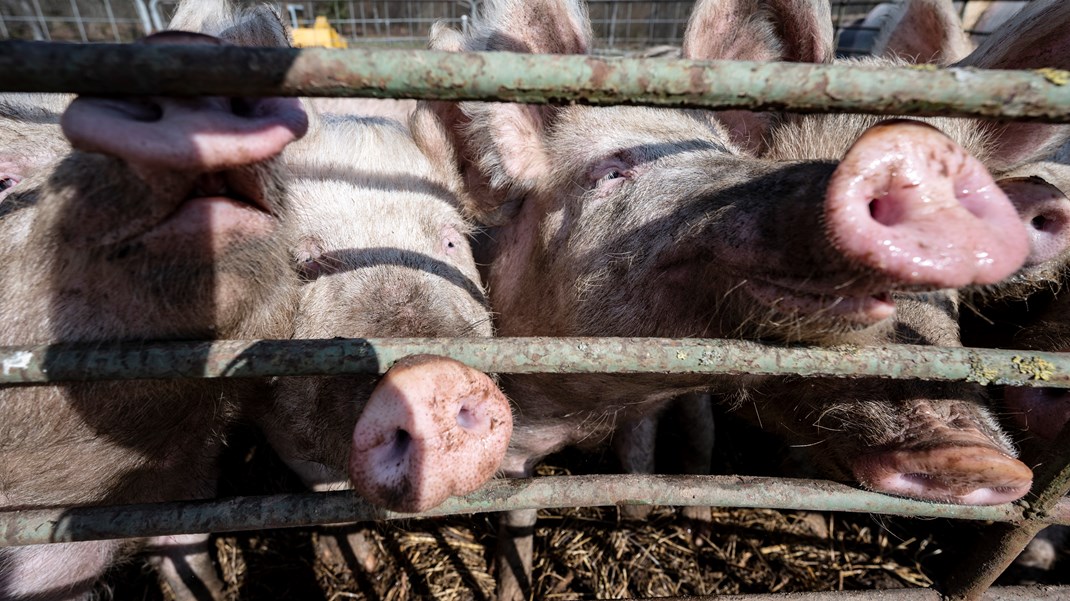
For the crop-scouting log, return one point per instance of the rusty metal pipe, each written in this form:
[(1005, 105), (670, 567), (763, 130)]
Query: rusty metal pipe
[(27, 527), (1005, 593), (233, 71), (45, 364)]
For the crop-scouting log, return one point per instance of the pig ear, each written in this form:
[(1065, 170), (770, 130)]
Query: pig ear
[(257, 26), (1036, 37), (499, 147), (757, 30), (533, 26), (923, 31)]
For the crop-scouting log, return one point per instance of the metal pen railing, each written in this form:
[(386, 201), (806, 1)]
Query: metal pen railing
[(1038, 95)]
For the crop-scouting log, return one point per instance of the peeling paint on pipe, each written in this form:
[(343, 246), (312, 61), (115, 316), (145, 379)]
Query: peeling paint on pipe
[(235, 71), (29, 527), (45, 364)]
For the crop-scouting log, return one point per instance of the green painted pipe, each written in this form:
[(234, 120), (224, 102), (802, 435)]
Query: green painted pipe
[(29, 527), (260, 358), (198, 70)]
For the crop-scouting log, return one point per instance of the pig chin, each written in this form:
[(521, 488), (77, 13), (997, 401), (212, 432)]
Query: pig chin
[(219, 211), (852, 312)]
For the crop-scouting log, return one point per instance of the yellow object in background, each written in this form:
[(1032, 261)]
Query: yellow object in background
[(320, 34)]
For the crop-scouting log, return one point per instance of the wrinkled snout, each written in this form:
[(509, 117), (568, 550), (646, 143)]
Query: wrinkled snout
[(948, 456), (184, 134), (433, 428), (1045, 212), (909, 202)]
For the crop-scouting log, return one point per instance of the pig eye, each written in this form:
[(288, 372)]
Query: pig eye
[(7, 182), (609, 171)]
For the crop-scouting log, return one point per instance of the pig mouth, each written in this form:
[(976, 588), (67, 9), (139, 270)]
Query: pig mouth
[(226, 203), (238, 186), (863, 309)]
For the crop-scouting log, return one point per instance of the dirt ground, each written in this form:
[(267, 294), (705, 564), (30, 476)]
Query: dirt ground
[(587, 553)]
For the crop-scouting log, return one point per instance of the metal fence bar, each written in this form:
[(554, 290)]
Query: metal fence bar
[(1006, 593), (43, 364), (199, 70), (40, 526)]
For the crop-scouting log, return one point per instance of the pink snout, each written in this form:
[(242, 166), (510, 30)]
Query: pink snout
[(967, 474), (184, 134), (909, 202), (433, 428), (1045, 212)]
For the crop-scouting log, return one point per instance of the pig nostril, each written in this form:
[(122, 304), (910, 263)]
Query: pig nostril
[(242, 107), (1039, 222), (884, 211), (466, 419), (402, 442)]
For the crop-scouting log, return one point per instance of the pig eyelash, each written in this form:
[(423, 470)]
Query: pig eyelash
[(614, 174), (608, 171)]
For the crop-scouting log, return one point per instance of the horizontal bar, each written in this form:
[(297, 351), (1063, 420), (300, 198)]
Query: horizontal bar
[(28, 527), (235, 71), (260, 358), (1002, 593)]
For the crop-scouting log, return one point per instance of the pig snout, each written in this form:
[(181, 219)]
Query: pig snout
[(433, 428), (1042, 412), (184, 134), (909, 202), (949, 465), (1045, 211)]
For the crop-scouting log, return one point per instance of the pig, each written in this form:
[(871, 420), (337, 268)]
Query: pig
[(628, 221), (916, 30), (146, 229), (938, 442), (383, 251), (1032, 39), (923, 31)]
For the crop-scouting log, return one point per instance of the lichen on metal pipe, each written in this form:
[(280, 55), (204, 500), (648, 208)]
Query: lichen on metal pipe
[(260, 358), (45, 364), (380, 73), (26, 527)]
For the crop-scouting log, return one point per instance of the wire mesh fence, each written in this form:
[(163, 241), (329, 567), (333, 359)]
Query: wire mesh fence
[(619, 25)]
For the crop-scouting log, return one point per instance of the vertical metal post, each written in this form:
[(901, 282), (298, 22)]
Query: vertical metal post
[(4, 34), (157, 19), (613, 25), (363, 21), (412, 17), (352, 21), (1000, 544), (78, 20), (41, 18), (143, 16), (386, 18), (111, 19)]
